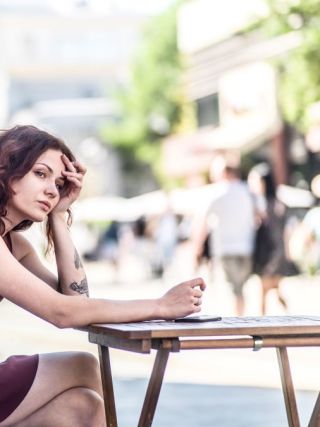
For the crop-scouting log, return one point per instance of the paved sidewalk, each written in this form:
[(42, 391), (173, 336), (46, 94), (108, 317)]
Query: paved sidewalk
[(191, 405)]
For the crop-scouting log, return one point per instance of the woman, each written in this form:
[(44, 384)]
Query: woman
[(270, 259), (39, 181)]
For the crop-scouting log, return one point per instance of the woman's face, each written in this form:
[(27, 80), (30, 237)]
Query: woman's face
[(38, 192)]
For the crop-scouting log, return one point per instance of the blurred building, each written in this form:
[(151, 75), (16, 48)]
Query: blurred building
[(60, 64), (229, 78)]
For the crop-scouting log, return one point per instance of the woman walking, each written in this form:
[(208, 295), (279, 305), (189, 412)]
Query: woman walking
[(270, 260)]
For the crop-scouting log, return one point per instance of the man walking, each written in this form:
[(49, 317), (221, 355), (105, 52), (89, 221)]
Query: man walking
[(230, 218)]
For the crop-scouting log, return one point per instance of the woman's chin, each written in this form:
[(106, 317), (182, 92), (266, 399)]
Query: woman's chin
[(38, 218)]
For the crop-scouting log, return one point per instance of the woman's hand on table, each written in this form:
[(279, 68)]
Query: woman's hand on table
[(182, 299)]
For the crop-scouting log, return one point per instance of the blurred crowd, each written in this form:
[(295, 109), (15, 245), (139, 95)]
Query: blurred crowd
[(152, 240), (243, 228)]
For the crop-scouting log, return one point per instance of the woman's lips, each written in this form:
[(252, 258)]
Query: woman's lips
[(44, 205)]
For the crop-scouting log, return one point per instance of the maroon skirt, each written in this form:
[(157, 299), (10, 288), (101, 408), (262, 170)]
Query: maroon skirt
[(17, 374)]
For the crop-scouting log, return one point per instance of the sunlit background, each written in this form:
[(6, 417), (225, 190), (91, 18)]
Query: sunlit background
[(147, 93), (131, 85)]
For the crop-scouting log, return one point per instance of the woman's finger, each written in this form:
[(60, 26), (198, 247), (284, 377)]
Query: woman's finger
[(76, 181), (75, 166), (80, 167), (198, 282), (69, 174), (197, 293), (68, 163), (197, 301)]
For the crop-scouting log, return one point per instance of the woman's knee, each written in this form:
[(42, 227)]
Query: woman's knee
[(86, 360), (87, 365), (77, 369), (91, 360), (88, 407), (58, 373), (71, 370)]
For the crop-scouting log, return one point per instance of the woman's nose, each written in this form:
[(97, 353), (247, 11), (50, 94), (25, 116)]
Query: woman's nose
[(52, 190)]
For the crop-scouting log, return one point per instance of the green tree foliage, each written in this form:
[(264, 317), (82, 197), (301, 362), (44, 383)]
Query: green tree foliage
[(152, 106), (299, 69)]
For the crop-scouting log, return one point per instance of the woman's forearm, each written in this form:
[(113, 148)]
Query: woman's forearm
[(71, 274), (179, 301), (77, 311)]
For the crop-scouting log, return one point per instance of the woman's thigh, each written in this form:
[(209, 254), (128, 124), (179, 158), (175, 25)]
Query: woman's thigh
[(57, 372)]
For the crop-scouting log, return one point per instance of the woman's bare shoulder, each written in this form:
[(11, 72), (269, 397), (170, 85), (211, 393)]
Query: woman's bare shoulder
[(20, 245)]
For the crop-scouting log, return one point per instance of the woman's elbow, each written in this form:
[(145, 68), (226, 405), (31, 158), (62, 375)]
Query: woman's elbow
[(62, 319), (68, 312), (61, 323)]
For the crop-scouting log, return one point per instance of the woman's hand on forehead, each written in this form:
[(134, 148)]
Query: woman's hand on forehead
[(75, 166), (73, 174)]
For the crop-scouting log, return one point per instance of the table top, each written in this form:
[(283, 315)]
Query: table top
[(227, 326)]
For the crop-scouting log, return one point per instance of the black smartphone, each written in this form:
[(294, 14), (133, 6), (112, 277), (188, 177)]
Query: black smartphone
[(201, 318)]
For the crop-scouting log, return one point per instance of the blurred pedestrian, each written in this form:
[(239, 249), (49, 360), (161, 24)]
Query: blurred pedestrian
[(107, 247), (166, 238), (230, 219), (270, 261), (143, 246), (305, 241), (205, 255), (109, 243)]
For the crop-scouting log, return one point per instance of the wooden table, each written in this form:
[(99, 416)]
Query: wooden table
[(229, 333)]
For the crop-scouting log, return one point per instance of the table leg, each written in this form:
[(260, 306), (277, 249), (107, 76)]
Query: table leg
[(107, 385), (154, 387), (287, 387), (315, 417)]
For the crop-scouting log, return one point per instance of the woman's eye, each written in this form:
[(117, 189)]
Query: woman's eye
[(59, 186), (40, 174)]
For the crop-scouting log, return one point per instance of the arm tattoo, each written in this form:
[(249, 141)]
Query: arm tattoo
[(81, 288), (77, 260)]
